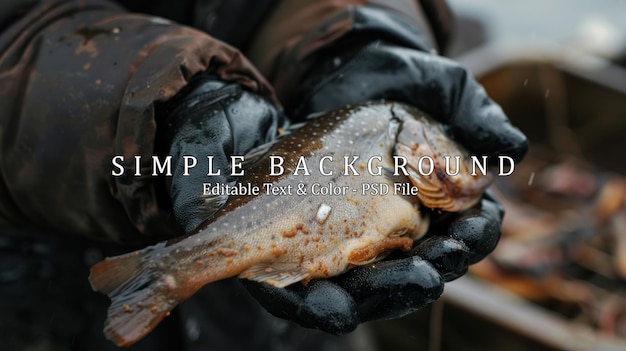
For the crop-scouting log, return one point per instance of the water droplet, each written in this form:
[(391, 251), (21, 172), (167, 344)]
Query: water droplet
[(192, 329)]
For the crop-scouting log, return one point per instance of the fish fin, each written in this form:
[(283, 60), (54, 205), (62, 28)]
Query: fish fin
[(278, 274), (212, 203), (315, 115), (114, 273), (378, 250), (139, 299), (257, 153), (380, 256), (388, 173)]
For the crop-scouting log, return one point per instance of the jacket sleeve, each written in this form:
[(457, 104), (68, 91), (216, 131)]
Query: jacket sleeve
[(297, 30), (79, 82)]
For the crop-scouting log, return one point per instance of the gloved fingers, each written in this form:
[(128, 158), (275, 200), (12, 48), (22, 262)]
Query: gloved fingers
[(320, 304), (450, 257), (392, 289), (438, 86), (385, 290), (462, 103), (478, 228)]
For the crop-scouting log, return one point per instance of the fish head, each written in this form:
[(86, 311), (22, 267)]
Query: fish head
[(440, 167)]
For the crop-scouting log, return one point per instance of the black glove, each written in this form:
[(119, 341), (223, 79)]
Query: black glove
[(357, 70), (436, 85), (402, 284), (210, 118)]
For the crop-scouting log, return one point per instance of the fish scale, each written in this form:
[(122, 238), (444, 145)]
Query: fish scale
[(285, 239)]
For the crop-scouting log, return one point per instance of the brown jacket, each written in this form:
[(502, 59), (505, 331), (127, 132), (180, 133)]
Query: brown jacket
[(79, 81)]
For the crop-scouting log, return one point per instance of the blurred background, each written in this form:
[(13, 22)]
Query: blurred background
[(596, 27), (557, 280)]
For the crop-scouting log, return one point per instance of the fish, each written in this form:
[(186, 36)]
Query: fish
[(282, 239)]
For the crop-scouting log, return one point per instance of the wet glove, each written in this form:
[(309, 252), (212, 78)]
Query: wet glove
[(393, 288), (210, 118), (385, 58)]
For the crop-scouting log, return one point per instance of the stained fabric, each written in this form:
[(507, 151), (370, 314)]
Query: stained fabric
[(78, 84)]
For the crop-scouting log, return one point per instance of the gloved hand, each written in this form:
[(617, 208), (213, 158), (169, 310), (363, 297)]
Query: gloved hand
[(438, 86), (357, 70), (395, 287), (210, 118)]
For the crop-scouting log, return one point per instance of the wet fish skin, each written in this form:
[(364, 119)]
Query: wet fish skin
[(281, 240)]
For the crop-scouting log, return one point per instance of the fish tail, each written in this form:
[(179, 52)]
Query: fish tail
[(140, 296)]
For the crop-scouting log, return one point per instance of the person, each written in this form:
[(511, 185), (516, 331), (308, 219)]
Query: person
[(84, 80)]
